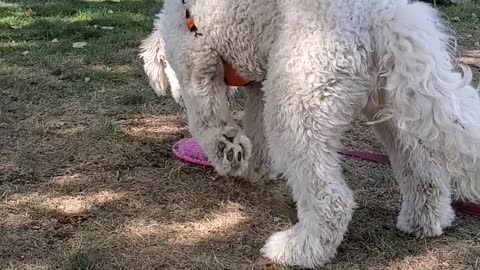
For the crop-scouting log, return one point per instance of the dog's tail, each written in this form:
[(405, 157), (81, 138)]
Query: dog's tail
[(431, 100), (153, 54)]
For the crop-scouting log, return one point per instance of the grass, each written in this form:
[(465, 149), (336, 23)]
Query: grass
[(467, 15), (42, 210), (84, 260), (87, 179)]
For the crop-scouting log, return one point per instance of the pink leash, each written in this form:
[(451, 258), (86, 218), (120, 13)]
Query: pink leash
[(378, 158), (468, 208)]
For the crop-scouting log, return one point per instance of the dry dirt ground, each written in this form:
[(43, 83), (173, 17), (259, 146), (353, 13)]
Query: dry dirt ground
[(87, 179)]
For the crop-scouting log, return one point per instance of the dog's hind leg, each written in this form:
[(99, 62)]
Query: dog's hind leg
[(422, 177), (429, 99)]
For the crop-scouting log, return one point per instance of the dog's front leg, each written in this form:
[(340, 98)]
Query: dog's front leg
[(259, 168), (209, 117)]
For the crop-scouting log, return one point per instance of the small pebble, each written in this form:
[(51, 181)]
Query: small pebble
[(108, 27), (110, 11), (477, 43), (54, 40), (87, 79), (25, 53)]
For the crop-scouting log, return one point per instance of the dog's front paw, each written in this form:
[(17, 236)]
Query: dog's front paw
[(232, 152)]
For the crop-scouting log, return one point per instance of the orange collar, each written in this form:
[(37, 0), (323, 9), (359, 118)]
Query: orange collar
[(231, 76)]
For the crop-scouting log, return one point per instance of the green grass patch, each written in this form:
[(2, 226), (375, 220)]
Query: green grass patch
[(42, 209), (464, 16), (81, 260), (35, 69)]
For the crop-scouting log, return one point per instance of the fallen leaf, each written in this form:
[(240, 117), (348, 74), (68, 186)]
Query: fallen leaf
[(29, 12), (455, 19), (80, 45)]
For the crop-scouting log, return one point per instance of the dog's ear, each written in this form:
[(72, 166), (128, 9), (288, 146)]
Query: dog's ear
[(152, 51)]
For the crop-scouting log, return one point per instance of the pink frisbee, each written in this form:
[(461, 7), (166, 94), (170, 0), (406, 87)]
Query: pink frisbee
[(188, 150)]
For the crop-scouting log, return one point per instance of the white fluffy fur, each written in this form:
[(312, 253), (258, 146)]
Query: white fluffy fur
[(320, 62), (161, 76)]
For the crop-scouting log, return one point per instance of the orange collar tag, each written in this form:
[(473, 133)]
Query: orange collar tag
[(232, 78), (191, 24)]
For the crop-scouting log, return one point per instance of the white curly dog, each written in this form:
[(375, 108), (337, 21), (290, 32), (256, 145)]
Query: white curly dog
[(314, 65)]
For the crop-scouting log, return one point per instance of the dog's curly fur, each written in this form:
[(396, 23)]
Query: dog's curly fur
[(317, 64)]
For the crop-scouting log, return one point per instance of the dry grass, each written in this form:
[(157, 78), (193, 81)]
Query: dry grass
[(87, 179)]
